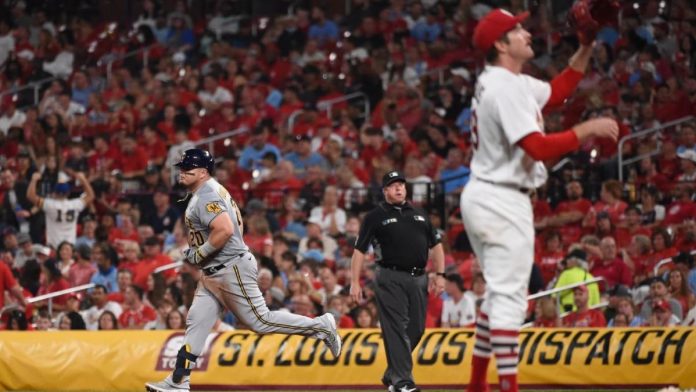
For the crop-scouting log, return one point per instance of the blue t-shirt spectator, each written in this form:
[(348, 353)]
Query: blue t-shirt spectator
[(454, 179), (327, 31), (81, 96), (106, 278), (426, 32), (302, 163), (251, 157)]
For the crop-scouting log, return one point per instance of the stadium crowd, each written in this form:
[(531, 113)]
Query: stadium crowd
[(87, 192)]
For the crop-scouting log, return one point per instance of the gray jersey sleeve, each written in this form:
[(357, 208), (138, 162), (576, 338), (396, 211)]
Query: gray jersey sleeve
[(209, 206)]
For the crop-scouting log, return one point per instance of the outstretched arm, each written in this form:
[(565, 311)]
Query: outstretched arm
[(563, 85)]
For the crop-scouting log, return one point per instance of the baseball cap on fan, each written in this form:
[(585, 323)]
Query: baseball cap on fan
[(494, 25)]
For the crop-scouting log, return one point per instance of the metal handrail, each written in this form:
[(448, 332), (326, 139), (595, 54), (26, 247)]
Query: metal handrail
[(667, 260), (641, 134), (110, 61), (36, 86), (212, 139), (327, 104), (54, 294), (167, 267), (292, 118), (564, 288)]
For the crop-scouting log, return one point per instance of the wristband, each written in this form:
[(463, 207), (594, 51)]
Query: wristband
[(441, 274), (206, 249)]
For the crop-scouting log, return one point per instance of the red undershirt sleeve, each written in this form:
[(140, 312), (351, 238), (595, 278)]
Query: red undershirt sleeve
[(563, 85), (544, 147)]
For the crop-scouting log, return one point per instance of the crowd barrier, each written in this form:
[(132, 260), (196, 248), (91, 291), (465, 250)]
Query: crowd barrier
[(239, 360)]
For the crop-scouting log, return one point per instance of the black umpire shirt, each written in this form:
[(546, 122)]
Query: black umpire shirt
[(401, 235)]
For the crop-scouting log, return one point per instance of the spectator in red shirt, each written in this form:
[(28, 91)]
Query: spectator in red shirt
[(584, 316), (610, 267), (546, 313), (9, 284), (570, 213), (152, 259), (336, 305), (679, 290), (610, 202), (132, 158), (638, 257), (82, 270), (124, 279), (633, 227), (549, 257), (662, 315), (650, 175), (662, 247), (137, 313), (155, 146), (51, 281)]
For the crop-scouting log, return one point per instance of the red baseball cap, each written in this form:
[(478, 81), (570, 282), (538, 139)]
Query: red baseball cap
[(662, 305), (494, 25)]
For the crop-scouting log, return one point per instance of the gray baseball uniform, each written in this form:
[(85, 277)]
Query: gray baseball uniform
[(229, 279)]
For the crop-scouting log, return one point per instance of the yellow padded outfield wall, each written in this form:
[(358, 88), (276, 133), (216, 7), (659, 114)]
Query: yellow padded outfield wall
[(124, 360)]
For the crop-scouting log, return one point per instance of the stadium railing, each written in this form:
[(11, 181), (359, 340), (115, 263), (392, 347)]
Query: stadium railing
[(35, 87), (108, 60), (55, 294), (642, 134), (561, 289), (328, 104), (667, 260)]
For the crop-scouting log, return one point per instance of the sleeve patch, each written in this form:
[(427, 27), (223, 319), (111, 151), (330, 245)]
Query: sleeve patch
[(213, 208)]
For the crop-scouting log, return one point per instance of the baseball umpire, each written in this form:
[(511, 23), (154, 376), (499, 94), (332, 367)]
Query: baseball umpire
[(401, 236), (229, 278)]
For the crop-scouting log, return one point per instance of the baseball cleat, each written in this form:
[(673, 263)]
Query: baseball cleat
[(167, 385), (333, 341)]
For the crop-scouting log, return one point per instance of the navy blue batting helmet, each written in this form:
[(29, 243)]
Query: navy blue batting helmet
[(195, 158)]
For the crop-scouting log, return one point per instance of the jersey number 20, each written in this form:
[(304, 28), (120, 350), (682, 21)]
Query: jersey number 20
[(196, 238)]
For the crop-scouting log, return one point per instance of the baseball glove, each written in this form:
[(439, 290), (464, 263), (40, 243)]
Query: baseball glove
[(587, 17)]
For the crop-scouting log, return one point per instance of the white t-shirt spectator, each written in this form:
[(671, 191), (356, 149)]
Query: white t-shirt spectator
[(16, 120), (224, 25), (324, 220), (61, 66), (7, 44), (61, 219), (91, 315), (221, 95), (459, 314)]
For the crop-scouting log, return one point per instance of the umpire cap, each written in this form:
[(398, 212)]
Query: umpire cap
[(391, 177), (195, 158)]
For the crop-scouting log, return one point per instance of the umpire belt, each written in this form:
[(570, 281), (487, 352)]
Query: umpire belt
[(215, 268), (413, 271)]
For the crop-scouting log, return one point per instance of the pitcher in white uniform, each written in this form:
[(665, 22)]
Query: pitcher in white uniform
[(510, 145)]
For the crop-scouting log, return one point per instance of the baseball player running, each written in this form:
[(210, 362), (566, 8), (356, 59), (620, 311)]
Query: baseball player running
[(229, 274), (509, 147)]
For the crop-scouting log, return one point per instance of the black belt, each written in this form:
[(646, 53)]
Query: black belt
[(414, 271), (215, 268), (526, 191)]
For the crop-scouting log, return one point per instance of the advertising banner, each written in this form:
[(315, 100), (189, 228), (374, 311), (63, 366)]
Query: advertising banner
[(124, 360)]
